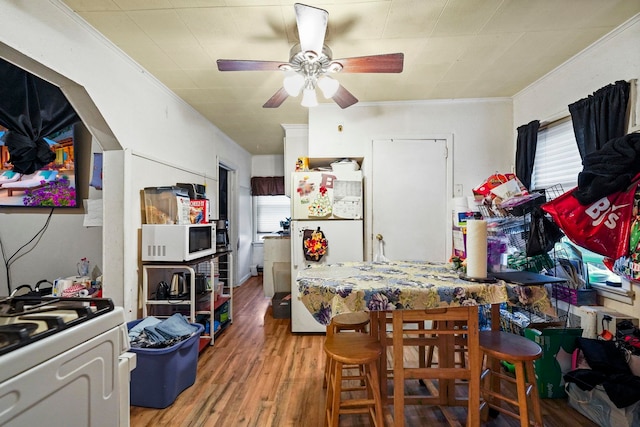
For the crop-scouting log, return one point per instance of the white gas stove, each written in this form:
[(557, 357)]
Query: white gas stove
[(63, 362)]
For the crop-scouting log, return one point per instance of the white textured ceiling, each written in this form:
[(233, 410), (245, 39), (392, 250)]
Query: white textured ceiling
[(452, 48)]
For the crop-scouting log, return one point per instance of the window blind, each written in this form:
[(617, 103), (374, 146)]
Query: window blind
[(270, 210), (557, 158)]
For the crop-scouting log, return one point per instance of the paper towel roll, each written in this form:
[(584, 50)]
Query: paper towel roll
[(477, 249)]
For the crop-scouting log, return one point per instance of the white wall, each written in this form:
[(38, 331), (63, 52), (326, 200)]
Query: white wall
[(148, 121), (614, 57), (481, 130), (267, 165)]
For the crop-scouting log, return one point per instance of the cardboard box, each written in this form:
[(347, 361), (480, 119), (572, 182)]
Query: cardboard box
[(461, 218), (459, 235), (199, 211), (558, 345), (281, 304)]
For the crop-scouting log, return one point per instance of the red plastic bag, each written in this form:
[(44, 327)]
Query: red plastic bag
[(601, 227)]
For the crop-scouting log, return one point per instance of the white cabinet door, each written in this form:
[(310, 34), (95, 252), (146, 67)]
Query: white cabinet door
[(409, 199)]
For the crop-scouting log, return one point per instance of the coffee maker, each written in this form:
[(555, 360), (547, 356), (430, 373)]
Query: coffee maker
[(222, 235)]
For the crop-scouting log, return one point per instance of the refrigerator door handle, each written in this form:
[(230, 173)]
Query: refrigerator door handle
[(295, 258), (297, 252)]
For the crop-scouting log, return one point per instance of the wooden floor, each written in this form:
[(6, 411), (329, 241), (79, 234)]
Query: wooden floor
[(260, 374)]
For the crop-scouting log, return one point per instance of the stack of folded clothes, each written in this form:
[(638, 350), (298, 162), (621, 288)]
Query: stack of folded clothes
[(152, 332)]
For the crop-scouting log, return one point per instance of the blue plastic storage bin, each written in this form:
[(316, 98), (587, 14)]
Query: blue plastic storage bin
[(161, 374)]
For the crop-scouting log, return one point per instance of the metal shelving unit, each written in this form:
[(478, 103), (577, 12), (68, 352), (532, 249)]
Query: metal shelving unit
[(204, 306)]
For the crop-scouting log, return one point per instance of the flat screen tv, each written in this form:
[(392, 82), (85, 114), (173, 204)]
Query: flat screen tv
[(54, 185)]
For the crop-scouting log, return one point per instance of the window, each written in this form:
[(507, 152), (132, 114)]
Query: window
[(557, 158), (558, 161), (269, 211)]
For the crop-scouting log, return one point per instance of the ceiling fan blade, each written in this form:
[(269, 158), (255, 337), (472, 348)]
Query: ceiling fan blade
[(277, 99), (312, 27), (344, 98), (248, 65), (386, 63)]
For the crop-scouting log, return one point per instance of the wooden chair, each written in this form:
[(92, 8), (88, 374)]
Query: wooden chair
[(354, 322), (452, 325), (380, 326), (360, 349), (497, 346)]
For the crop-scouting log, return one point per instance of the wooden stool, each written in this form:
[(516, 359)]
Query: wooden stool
[(355, 348), (497, 346), (356, 322)]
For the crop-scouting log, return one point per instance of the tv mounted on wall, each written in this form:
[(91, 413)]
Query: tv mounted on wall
[(53, 185)]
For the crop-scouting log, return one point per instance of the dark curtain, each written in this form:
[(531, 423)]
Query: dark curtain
[(267, 186), (31, 108), (526, 151), (600, 117)]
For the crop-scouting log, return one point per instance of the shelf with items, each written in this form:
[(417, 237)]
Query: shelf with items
[(223, 278), (195, 299), (509, 222), (518, 243)]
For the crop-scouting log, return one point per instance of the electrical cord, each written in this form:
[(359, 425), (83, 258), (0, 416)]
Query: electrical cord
[(11, 260)]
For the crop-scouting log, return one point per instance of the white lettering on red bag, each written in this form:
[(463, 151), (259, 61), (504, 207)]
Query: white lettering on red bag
[(598, 212)]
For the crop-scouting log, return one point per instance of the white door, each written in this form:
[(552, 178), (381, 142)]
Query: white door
[(410, 178)]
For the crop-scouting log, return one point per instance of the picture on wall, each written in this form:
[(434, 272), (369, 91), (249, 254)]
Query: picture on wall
[(53, 185)]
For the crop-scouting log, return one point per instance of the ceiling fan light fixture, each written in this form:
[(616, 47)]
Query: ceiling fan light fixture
[(311, 61), (309, 98), (293, 83), (328, 86)]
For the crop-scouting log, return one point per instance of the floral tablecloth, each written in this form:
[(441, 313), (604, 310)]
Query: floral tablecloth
[(332, 289)]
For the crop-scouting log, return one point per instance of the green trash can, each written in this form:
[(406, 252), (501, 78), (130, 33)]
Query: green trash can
[(558, 346)]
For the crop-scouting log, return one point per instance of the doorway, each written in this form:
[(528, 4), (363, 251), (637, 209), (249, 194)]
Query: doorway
[(411, 179)]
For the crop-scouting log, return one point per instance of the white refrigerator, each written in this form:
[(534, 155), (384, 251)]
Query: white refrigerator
[(326, 228)]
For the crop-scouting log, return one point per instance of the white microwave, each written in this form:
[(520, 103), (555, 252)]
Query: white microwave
[(177, 242)]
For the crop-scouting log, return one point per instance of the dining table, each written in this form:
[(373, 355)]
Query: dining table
[(330, 289), (385, 287)]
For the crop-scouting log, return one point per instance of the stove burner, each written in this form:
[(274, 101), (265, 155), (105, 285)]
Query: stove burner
[(16, 332), (26, 319)]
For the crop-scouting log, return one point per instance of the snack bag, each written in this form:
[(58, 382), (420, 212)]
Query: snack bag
[(503, 186)]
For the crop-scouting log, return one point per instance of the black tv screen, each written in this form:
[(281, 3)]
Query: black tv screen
[(54, 185)]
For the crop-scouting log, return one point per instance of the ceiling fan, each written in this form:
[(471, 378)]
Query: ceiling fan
[(311, 62)]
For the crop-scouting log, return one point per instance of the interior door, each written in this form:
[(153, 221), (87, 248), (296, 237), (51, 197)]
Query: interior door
[(409, 185)]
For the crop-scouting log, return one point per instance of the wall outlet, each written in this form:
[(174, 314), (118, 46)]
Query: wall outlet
[(457, 190)]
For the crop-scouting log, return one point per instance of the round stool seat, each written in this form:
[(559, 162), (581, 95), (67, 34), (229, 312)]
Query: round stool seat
[(353, 348), (353, 321), (509, 346)]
